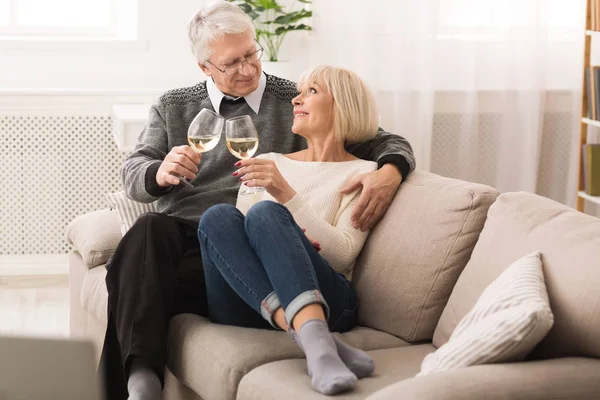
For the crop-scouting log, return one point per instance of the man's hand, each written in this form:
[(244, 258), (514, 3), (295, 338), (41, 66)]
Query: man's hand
[(261, 172), (181, 161), (378, 190)]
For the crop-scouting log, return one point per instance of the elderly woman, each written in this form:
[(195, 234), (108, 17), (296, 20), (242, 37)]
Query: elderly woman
[(259, 260)]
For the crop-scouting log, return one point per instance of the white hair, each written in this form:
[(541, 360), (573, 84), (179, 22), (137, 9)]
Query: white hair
[(214, 21)]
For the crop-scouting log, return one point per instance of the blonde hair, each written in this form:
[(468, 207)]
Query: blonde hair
[(214, 21), (355, 116)]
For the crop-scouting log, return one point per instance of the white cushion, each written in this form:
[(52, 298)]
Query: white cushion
[(510, 318), (128, 210)]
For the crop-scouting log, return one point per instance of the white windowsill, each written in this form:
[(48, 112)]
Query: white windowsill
[(73, 44), (81, 92)]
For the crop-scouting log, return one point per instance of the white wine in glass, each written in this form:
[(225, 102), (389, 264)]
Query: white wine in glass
[(204, 133), (242, 148), (242, 142), (203, 144)]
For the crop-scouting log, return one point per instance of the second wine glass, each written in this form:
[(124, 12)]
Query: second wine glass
[(242, 142), (204, 133)]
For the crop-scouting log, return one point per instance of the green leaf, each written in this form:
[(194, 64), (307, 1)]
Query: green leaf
[(305, 1), (292, 17), (268, 4), (245, 7), (264, 33), (289, 28), (282, 20)]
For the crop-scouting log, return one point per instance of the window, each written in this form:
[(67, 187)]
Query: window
[(469, 18), (4, 13), (109, 19)]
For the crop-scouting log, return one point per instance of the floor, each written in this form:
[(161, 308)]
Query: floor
[(34, 305)]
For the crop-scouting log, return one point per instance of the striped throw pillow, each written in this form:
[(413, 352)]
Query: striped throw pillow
[(509, 319), (128, 210)]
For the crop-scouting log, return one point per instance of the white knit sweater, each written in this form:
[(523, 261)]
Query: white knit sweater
[(319, 207)]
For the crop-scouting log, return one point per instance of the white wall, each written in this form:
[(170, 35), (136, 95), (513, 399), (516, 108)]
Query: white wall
[(162, 60)]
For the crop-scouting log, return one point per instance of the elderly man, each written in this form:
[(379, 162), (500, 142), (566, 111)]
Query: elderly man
[(156, 271)]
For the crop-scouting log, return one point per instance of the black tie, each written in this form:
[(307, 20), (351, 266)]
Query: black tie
[(231, 100)]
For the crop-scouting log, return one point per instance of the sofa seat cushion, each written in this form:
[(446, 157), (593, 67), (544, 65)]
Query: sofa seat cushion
[(560, 378), (569, 242), (211, 359), (93, 296), (414, 256), (289, 380)]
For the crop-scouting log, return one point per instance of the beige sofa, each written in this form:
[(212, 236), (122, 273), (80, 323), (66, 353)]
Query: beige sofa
[(421, 270)]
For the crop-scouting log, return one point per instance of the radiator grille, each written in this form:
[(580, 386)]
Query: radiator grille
[(54, 168)]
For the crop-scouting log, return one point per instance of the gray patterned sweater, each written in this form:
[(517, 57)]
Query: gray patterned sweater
[(167, 127)]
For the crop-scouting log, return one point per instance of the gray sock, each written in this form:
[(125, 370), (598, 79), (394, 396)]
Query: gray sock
[(356, 360), (329, 373), (143, 383)]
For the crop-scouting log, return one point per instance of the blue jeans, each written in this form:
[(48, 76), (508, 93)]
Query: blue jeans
[(257, 263)]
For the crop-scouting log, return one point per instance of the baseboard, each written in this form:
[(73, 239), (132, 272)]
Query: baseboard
[(35, 264)]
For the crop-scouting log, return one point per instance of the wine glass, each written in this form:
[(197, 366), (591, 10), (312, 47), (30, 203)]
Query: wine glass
[(242, 142), (204, 133)]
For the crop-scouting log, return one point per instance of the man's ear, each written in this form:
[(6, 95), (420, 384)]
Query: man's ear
[(205, 69)]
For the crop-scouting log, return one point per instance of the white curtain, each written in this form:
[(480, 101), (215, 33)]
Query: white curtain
[(468, 82)]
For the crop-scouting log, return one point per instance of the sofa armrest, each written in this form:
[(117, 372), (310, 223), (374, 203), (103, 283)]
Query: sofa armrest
[(563, 378), (95, 236)]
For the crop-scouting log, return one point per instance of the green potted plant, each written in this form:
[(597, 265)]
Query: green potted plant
[(273, 22)]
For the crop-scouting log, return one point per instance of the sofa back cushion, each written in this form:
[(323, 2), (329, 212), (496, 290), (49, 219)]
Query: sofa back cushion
[(413, 257), (569, 242)]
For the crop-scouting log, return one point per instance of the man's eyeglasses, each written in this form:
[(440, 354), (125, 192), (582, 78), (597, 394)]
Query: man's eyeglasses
[(237, 66)]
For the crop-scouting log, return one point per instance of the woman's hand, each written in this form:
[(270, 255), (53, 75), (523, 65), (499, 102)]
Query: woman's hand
[(315, 244), (261, 172)]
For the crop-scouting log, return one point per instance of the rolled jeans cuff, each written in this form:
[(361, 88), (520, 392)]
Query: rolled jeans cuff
[(302, 300), (268, 307)]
